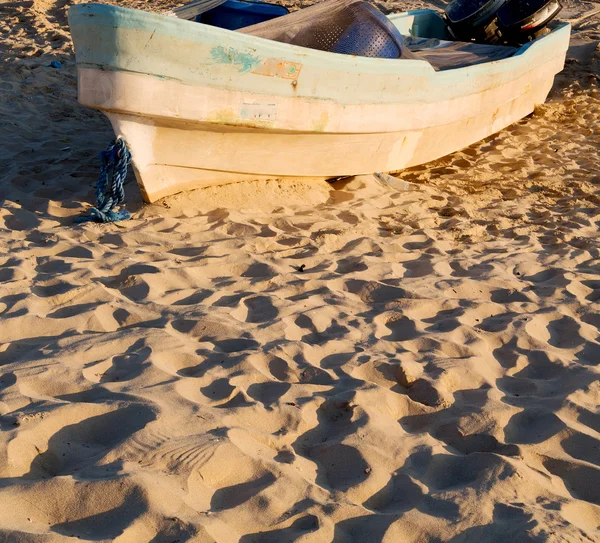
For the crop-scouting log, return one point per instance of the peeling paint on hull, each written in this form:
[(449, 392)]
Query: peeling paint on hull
[(244, 61)]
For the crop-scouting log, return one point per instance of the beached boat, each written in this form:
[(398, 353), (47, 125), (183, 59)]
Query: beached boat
[(200, 105)]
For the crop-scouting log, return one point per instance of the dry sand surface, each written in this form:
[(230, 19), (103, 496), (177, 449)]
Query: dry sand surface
[(430, 376)]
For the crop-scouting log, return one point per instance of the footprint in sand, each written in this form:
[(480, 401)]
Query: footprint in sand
[(401, 328), (301, 526), (581, 480), (260, 309), (77, 446), (532, 425)]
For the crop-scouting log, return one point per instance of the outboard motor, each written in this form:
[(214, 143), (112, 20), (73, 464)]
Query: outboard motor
[(473, 20), (522, 20), (510, 22)]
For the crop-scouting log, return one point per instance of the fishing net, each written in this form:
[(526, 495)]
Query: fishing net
[(349, 27), (448, 55)]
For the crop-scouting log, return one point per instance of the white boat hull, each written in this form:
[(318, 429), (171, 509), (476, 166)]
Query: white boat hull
[(229, 125)]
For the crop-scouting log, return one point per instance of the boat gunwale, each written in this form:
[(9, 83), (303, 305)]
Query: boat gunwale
[(202, 33)]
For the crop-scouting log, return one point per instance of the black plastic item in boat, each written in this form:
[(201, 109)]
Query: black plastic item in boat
[(473, 19), (520, 20), (236, 14)]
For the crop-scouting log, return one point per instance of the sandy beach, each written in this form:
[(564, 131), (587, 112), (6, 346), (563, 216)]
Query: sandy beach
[(271, 362)]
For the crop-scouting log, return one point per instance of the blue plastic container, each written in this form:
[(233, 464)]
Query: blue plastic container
[(234, 14)]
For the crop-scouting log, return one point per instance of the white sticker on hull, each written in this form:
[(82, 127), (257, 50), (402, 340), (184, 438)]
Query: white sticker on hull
[(258, 110)]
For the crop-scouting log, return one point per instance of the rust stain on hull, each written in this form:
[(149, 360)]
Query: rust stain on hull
[(275, 67)]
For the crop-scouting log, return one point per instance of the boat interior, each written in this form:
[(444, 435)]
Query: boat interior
[(356, 27)]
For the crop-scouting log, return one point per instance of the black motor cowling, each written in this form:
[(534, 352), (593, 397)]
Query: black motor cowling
[(521, 20), (499, 21), (473, 20)]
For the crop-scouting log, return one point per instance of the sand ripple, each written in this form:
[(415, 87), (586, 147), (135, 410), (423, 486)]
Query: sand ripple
[(272, 362)]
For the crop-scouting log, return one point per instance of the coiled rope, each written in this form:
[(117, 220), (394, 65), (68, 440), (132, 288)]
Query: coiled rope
[(113, 164)]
